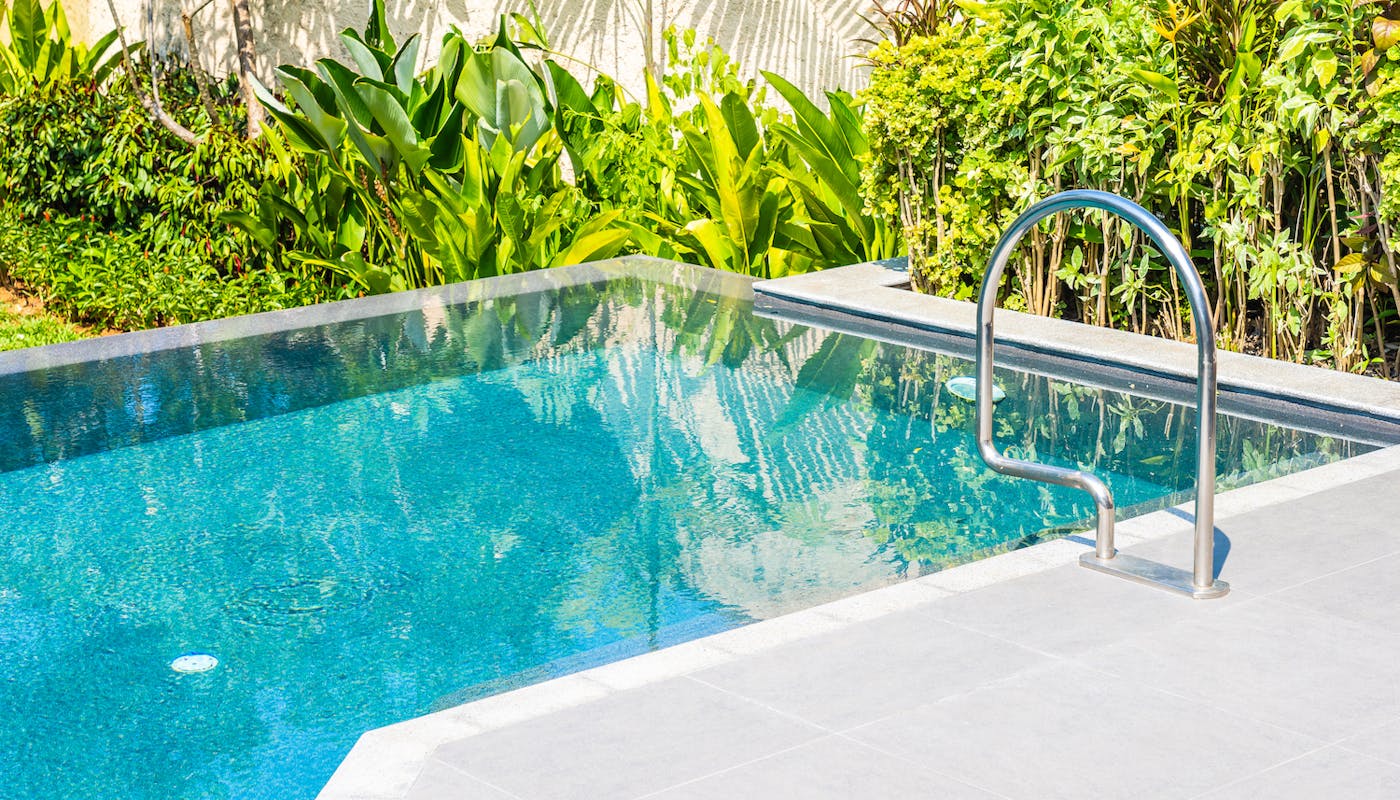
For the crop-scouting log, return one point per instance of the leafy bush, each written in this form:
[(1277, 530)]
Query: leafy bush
[(19, 331), (396, 180), (40, 51), (113, 281), (1263, 130)]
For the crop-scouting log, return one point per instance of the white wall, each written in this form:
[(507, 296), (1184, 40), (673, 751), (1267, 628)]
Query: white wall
[(808, 41)]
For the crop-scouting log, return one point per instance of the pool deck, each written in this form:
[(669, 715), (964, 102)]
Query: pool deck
[(1019, 676), (1022, 676)]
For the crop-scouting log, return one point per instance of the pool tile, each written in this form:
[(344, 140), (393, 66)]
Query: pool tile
[(1328, 774), (1293, 667), (831, 768), (1062, 731), (877, 668), (626, 745)]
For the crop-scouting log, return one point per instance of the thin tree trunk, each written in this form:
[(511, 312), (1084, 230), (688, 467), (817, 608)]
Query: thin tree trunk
[(200, 79), (149, 102), (247, 64)]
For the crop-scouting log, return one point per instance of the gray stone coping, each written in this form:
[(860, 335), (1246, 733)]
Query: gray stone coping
[(870, 291), (270, 322)]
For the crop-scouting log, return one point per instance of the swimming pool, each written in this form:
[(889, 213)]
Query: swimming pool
[(387, 507)]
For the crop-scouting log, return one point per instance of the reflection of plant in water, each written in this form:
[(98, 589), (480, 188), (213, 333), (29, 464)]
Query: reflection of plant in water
[(934, 499)]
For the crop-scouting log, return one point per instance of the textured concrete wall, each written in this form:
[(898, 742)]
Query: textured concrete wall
[(808, 41)]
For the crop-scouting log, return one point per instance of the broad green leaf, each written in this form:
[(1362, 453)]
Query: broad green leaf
[(371, 62), (394, 122), (1157, 81), (816, 128), (593, 247), (742, 127), (342, 79), (28, 30), (718, 248), (316, 100), (377, 33), (1324, 67), (405, 64)]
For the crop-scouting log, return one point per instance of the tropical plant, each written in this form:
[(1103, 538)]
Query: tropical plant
[(1260, 128), (41, 50), (413, 180)]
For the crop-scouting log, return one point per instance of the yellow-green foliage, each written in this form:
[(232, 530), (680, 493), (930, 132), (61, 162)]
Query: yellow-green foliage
[(938, 123), (1263, 131)]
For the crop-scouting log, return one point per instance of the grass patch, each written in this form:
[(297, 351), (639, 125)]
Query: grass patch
[(17, 331)]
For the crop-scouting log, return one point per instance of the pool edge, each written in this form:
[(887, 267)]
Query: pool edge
[(385, 762), (872, 291)]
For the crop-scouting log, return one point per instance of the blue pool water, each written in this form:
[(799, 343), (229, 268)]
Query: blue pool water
[(367, 521)]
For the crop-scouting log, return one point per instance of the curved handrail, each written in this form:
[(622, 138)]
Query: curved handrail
[(1202, 581)]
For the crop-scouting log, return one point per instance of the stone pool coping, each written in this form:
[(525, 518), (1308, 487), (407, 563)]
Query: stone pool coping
[(385, 762), (872, 291), (138, 343)]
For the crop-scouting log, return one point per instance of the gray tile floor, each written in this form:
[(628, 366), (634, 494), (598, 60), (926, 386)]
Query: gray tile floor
[(1062, 684)]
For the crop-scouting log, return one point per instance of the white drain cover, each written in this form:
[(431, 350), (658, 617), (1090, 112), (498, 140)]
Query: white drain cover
[(194, 662), (966, 388)]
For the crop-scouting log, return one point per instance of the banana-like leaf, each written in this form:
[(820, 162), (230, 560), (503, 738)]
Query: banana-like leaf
[(28, 29), (815, 127), (317, 102), (449, 146), (404, 67), (740, 122), (719, 249), (341, 80), (393, 121), (371, 62), (601, 238), (377, 33)]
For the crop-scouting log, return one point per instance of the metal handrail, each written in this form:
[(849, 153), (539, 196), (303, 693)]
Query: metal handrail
[(1200, 582)]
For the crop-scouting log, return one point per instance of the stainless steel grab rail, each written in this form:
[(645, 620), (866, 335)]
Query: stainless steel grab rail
[(1200, 583)]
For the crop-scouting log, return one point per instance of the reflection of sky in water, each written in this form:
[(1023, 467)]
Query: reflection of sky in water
[(585, 476)]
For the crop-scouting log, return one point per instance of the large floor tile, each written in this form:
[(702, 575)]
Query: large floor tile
[(439, 781), (1293, 667), (1329, 774), (1369, 593), (1071, 609), (627, 745), (867, 671), (833, 768), (1276, 547), (1064, 732), (1382, 741)]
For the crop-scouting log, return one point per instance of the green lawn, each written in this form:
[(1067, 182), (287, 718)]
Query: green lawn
[(18, 331)]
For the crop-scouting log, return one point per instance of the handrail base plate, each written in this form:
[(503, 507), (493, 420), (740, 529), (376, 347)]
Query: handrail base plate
[(1151, 573)]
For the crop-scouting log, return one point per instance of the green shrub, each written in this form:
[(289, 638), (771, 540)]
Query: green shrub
[(18, 331), (114, 281), (1263, 131), (48, 139)]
